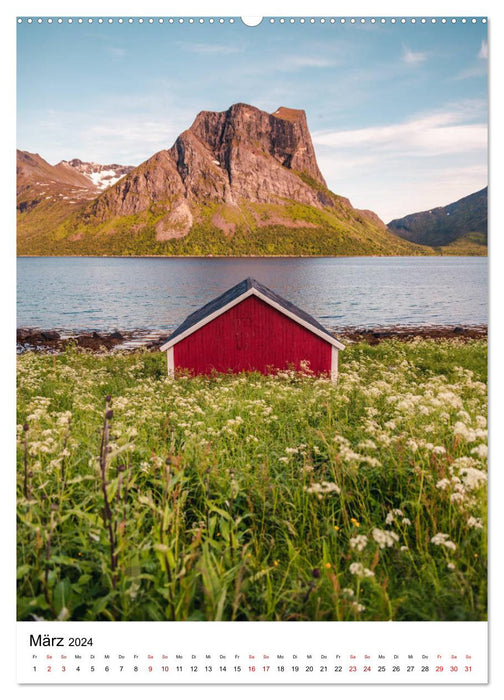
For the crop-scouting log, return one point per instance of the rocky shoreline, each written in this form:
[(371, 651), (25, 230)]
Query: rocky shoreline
[(56, 341), (406, 333), (52, 341)]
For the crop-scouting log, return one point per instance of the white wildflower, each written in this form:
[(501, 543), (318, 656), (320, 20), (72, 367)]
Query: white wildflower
[(457, 497), (391, 515), (366, 445), (358, 542), (450, 398), (385, 538), (329, 486), (441, 539), (439, 450), (357, 569), (480, 451), (372, 461), (475, 522), (383, 439), (465, 462), (64, 418), (451, 565), (371, 411), (322, 489), (358, 607), (413, 446), (465, 432), (472, 478), (306, 469)]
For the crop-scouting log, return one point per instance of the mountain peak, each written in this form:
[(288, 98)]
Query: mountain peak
[(243, 137), (289, 114), (241, 178), (240, 155)]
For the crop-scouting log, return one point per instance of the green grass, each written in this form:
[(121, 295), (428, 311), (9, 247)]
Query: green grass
[(336, 230), (254, 498), (474, 243)]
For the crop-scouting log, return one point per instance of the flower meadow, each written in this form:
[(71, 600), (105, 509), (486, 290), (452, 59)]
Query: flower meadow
[(244, 497)]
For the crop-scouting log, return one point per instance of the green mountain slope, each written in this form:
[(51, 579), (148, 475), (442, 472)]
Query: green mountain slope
[(460, 226)]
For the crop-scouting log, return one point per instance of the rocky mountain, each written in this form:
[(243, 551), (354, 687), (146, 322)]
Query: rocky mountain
[(102, 176), (238, 182), (48, 194), (462, 223)]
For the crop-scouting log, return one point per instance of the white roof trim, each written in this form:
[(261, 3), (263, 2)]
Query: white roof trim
[(316, 331)]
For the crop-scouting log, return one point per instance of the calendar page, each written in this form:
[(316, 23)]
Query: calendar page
[(252, 319)]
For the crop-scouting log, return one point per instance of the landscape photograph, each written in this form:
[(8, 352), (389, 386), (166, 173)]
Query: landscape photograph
[(252, 318)]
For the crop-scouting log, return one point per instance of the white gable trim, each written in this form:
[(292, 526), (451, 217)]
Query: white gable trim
[(316, 331), (334, 364), (170, 362)]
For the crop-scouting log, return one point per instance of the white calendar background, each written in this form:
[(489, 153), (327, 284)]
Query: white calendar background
[(253, 652), (302, 645)]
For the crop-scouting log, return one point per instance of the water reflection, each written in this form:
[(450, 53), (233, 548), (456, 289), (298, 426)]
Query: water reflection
[(153, 293)]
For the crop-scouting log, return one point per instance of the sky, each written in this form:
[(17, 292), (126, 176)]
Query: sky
[(397, 112)]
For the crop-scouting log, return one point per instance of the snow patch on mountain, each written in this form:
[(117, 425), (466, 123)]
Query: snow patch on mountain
[(105, 178), (101, 176)]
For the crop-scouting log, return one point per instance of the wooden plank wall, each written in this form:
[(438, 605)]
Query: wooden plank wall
[(251, 336)]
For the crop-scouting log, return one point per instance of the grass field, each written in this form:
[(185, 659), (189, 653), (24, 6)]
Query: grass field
[(254, 498)]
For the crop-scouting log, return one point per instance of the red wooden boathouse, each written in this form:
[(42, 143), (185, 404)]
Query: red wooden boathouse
[(251, 328)]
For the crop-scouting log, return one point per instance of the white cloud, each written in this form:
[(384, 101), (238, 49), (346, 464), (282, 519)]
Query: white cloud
[(295, 62), (434, 134), (413, 57), (442, 189), (127, 138), (476, 71), (400, 168), (479, 68), (116, 52), (392, 197), (193, 47)]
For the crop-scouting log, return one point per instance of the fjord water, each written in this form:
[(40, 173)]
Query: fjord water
[(102, 294)]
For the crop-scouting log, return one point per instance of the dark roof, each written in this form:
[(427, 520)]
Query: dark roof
[(236, 292)]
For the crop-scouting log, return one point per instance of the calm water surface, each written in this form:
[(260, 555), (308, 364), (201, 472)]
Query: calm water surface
[(76, 294)]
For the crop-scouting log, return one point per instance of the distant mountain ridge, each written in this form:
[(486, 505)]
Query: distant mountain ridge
[(48, 194), (465, 220)]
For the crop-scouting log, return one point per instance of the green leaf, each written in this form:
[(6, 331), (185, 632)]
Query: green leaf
[(61, 595), (22, 570)]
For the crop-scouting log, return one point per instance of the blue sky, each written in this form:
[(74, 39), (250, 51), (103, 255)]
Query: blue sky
[(398, 113)]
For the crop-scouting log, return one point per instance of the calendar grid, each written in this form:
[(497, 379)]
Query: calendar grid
[(254, 653)]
